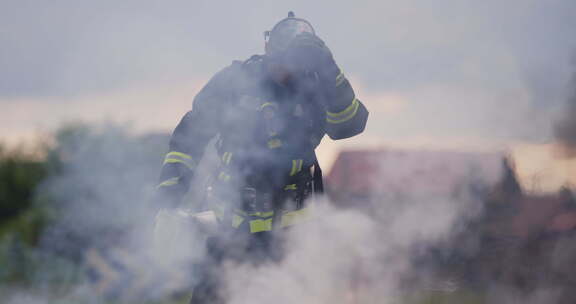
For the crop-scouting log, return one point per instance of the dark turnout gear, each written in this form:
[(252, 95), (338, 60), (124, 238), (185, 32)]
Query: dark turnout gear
[(237, 247), (268, 114), (267, 135)]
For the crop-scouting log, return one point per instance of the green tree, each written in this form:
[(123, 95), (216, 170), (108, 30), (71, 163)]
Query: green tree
[(20, 174)]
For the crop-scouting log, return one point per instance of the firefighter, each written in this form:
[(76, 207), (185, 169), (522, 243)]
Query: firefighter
[(267, 115)]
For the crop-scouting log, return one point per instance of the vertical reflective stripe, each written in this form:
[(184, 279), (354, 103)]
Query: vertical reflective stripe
[(296, 166), (340, 78), (227, 157), (345, 115)]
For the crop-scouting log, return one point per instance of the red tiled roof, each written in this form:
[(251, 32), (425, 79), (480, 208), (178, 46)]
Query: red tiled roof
[(388, 170)]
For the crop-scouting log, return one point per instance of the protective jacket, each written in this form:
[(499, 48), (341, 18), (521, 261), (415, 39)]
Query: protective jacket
[(266, 136)]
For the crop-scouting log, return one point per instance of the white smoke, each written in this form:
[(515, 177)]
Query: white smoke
[(347, 256), (102, 192), (99, 197), (383, 249)]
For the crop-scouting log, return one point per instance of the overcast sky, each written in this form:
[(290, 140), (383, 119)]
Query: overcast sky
[(451, 71)]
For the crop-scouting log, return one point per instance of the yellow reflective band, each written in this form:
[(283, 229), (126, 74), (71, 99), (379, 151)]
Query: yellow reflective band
[(288, 219), (172, 160), (274, 143), (179, 157), (267, 104), (296, 166), (260, 225), (169, 182), (227, 157), (345, 115), (237, 221), (223, 177), (293, 170), (179, 154), (340, 78), (290, 187)]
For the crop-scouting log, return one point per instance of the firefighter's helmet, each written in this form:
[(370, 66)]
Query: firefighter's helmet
[(279, 38)]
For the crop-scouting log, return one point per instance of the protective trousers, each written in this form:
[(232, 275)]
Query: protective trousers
[(238, 247)]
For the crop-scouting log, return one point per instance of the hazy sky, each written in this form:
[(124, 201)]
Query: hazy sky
[(454, 71)]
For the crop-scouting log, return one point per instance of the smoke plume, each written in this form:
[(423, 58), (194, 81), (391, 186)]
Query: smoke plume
[(565, 128), (102, 192), (388, 248)]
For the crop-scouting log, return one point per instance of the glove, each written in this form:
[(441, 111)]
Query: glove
[(172, 236), (177, 231), (308, 52)]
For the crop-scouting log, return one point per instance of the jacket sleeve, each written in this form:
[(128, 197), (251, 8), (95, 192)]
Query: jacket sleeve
[(346, 116), (190, 138)]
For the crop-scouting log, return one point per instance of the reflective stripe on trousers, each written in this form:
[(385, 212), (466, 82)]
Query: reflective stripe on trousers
[(262, 221)]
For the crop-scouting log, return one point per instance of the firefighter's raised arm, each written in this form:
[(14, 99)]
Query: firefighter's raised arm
[(190, 138), (346, 116)]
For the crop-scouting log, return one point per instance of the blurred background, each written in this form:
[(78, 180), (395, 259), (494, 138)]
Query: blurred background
[(449, 85)]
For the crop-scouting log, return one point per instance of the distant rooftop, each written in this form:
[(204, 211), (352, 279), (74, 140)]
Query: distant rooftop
[(428, 171)]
